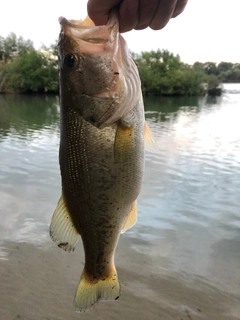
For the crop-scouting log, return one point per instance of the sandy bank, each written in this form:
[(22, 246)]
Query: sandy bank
[(40, 282)]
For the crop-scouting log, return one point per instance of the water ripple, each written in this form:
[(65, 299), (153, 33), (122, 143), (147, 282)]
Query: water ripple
[(189, 207)]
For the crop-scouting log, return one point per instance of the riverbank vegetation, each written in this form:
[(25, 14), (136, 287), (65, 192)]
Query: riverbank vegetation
[(23, 69)]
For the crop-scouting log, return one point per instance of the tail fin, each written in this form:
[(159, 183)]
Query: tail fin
[(90, 292)]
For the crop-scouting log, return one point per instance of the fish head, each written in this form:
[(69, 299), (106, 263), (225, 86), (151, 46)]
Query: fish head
[(92, 65)]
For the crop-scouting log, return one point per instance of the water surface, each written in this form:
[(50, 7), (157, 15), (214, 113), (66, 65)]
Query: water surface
[(189, 207)]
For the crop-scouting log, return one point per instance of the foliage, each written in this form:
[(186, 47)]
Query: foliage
[(23, 69), (163, 73), (224, 71), (11, 45), (31, 72)]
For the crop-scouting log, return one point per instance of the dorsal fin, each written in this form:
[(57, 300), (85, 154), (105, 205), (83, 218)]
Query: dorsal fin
[(87, 22)]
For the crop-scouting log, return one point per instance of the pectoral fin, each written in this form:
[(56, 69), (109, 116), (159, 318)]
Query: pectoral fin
[(132, 218), (62, 230), (124, 142), (149, 140)]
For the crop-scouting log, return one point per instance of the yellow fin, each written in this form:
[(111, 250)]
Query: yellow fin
[(87, 22), (62, 230), (123, 143), (132, 218), (149, 140), (89, 292)]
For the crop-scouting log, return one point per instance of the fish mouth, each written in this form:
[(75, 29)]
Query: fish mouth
[(98, 48), (107, 78), (91, 38), (99, 41)]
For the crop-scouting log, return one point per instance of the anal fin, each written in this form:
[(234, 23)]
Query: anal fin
[(62, 230), (132, 218)]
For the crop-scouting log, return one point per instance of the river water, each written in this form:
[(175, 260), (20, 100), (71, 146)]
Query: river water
[(188, 211)]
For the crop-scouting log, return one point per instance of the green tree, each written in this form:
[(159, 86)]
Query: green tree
[(12, 46), (213, 85), (163, 73), (31, 72), (224, 66), (229, 72), (1, 48), (210, 68), (24, 46), (198, 66)]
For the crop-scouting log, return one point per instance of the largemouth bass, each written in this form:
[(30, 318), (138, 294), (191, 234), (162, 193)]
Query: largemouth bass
[(101, 151)]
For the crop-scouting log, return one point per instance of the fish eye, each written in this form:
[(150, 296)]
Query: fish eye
[(70, 60)]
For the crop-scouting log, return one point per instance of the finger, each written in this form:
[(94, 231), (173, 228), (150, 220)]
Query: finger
[(147, 10), (180, 6), (163, 14), (128, 15), (98, 10)]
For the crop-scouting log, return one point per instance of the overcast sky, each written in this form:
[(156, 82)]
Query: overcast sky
[(208, 30)]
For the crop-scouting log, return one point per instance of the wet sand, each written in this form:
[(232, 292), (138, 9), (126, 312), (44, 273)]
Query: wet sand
[(39, 282)]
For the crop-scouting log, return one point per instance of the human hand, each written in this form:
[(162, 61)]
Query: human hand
[(136, 14)]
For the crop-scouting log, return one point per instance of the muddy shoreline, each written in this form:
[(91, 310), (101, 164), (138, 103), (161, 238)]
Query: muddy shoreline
[(39, 282)]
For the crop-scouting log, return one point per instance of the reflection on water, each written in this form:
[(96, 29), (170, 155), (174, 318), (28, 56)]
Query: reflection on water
[(29, 138), (189, 207)]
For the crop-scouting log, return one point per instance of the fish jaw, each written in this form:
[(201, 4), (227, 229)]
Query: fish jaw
[(103, 83)]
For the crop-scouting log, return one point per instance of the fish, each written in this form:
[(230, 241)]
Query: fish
[(103, 135)]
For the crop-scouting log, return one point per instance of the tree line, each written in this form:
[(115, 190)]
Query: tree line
[(23, 69), (163, 73), (225, 71)]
